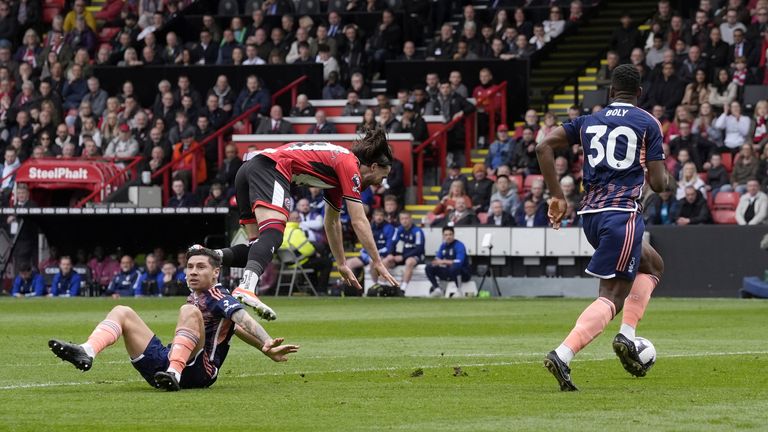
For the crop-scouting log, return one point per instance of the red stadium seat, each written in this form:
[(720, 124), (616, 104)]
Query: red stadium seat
[(726, 201), (107, 33), (53, 3), (49, 13), (727, 161), (703, 176), (529, 179), (724, 217), (482, 217), (517, 179)]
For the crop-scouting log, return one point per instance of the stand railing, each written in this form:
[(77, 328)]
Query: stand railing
[(129, 171)]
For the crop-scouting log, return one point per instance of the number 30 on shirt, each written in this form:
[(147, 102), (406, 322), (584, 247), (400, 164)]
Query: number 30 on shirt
[(598, 151)]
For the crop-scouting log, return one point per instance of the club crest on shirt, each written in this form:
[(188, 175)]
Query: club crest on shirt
[(289, 204), (356, 183)]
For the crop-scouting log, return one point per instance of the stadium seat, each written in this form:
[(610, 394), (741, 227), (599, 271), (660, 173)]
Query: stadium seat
[(703, 176), (337, 5), (290, 266), (727, 161), (753, 94), (53, 3), (517, 179), (529, 179), (726, 201), (107, 33), (304, 7), (592, 98), (49, 13), (252, 5), (724, 217)]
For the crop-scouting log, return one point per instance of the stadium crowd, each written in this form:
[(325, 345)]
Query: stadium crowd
[(695, 68)]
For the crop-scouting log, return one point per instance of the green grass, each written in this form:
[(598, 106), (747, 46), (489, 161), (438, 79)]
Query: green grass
[(353, 372)]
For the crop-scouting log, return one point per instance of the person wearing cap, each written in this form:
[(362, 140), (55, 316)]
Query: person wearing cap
[(501, 150), (454, 173), (124, 145), (480, 188), (186, 163), (411, 122)]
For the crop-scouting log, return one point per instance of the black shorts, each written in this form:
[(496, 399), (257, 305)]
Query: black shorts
[(259, 183)]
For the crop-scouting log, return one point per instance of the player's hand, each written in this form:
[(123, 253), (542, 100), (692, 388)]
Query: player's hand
[(348, 277), (383, 272), (556, 212), (278, 352)]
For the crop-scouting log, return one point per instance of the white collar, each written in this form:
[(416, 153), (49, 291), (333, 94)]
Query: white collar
[(620, 104)]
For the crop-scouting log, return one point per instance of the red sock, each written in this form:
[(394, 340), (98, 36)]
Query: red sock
[(184, 342), (590, 324), (104, 335), (638, 298)]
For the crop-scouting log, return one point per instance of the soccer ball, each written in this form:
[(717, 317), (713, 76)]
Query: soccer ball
[(646, 351)]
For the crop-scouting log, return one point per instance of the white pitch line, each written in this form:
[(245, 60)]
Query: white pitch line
[(376, 369)]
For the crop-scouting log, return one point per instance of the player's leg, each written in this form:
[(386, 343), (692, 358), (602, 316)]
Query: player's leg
[(650, 271), (121, 321), (434, 274), (237, 255), (188, 340), (410, 264), (616, 241)]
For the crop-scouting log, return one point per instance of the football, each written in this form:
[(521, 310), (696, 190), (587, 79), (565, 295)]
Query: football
[(646, 351)]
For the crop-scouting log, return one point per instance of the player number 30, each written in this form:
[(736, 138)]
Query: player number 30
[(598, 152)]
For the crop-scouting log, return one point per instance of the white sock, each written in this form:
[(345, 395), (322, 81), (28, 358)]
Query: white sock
[(628, 331), (403, 286), (89, 349), (175, 373), (565, 353)]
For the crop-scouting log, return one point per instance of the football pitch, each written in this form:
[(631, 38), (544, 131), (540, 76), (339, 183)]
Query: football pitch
[(399, 364)]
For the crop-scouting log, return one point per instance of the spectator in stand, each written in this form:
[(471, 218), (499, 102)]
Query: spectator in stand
[(409, 52), (75, 89), (180, 126), (444, 46), (275, 123), (457, 189), (224, 94), (539, 38), (531, 119), (124, 282), (353, 106), (253, 94), (451, 105), (10, 164), (327, 60), (571, 194), (322, 125), (451, 263), (717, 176), (734, 125), (698, 148), (156, 139), (753, 205), (697, 92), (185, 88), (412, 250), (79, 10), (716, 50), (704, 125), (369, 121), (555, 25), (90, 149), (550, 123), (659, 208), (525, 160), (66, 282), (744, 168), (506, 193), (302, 108), (28, 283), (412, 122), (228, 169), (167, 109), (185, 165), (227, 46), (604, 74), (625, 38), (352, 52), (689, 178), (180, 197), (498, 217), (760, 124), (730, 25), (154, 162), (124, 146), (456, 85), (667, 90), (699, 29), (150, 281), (216, 197), (480, 188), (89, 130), (537, 196), (384, 42), (461, 215), (207, 50), (388, 121), (217, 117), (691, 209), (332, 89), (528, 216), (96, 97)]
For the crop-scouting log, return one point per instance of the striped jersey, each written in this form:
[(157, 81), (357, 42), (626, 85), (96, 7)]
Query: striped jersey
[(617, 141), (320, 164)]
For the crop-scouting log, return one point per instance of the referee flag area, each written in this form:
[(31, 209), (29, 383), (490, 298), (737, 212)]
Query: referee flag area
[(397, 364)]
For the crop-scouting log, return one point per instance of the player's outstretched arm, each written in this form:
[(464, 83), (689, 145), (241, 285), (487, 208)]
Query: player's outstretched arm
[(252, 333), (545, 152), (336, 244), (363, 230)]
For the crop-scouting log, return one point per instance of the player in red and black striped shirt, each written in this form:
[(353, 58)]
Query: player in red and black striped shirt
[(263, 186)]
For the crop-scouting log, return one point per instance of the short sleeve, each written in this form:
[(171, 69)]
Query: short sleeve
[(653, 143), (350, 182), (573, 130), (223, 305)]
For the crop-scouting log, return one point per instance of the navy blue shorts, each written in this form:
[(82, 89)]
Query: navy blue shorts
[(200, 372), (618, 241)]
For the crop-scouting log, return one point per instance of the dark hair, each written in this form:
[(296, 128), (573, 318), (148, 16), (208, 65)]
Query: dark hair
[(25, 267), (373, 148), (448, 228), (625, 78), (213, 258)]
